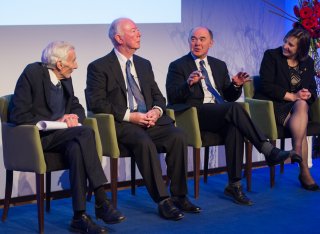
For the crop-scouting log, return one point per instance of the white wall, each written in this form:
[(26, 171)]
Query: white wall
[(242, 31)]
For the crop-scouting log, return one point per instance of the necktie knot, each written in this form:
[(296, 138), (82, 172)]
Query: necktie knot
[(202, 63), (58, 85), (128, 64)]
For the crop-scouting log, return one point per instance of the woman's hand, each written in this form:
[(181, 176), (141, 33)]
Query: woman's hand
[(304, 94)]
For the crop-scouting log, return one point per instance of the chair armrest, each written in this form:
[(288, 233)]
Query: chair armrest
[(315, 111), (245, 106), (22, 148), (188, 121), (262, 114), (108, 135), (170, 113), (92, 122)]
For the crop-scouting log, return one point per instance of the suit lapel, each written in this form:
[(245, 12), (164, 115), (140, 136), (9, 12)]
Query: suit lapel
[(46, 85), (303, 70), (141, 77), (115, 68), (214, 73), (285, 68), (67, 88), (192, 67)]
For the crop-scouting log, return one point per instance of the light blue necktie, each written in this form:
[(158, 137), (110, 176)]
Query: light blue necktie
[(134, 91), (212, 90)]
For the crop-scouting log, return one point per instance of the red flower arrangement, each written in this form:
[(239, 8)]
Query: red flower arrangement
[(307, 15)]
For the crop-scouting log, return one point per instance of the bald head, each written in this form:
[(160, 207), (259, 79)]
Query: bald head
[(200, 41)]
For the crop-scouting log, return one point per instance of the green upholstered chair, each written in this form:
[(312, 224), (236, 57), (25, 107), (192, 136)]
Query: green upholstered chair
[(262, 115), (113, 150), (22, 151), (188, 121)]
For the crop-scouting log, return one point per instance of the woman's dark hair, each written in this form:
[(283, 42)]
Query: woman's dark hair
[(303, 37)]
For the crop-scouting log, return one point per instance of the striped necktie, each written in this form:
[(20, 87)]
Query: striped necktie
[(212, 90), (134, 91)]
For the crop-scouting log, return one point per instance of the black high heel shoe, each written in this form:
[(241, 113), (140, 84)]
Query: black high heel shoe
[(310, 187), (295, 158)]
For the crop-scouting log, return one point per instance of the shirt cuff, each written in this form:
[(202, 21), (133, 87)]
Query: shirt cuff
[(159, 108), (127, 116), (236, 86)]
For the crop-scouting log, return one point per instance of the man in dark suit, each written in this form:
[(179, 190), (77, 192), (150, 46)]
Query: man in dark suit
[(44, 91), (123, 84), (199, 80)]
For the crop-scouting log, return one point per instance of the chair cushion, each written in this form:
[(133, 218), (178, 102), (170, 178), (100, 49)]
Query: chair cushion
[(55, 161)]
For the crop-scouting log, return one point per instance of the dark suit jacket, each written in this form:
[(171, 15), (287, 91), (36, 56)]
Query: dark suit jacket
[(106, 90), (181, 96), (275, 77), (30, 102)]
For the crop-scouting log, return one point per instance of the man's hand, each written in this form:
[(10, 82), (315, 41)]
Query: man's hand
[(70, 119), (147, 120), (194, 78), (241, 78), (139, 118), (154, 115)]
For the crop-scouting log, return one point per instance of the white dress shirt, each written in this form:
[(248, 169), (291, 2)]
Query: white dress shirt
[(123, 60)]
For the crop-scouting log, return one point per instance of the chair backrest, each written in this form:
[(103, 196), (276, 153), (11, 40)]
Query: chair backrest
[(250, 87), (4, 106), (261, 111), (188, 121)]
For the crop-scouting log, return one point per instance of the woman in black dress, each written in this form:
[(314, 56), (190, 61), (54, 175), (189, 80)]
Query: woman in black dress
[(287, 78)]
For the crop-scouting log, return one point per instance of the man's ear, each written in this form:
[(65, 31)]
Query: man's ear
[(59, 65), (118, 39), (211, 43)]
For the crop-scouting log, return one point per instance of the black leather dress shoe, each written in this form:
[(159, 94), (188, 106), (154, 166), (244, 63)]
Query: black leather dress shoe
[(86, 225), (310, 187), (184, 204), (237, 194), (108, 214), (168, 210), (278, 156)]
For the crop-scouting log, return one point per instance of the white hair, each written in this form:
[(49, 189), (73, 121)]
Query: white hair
[(55, 51)]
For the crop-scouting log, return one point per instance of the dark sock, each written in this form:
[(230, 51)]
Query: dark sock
[(100, 195), (266, 148), (78, 213)]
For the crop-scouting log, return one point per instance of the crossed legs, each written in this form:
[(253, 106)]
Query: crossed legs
[(297, 122)]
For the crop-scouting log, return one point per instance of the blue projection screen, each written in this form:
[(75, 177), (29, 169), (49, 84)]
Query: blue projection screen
[(60, 12)]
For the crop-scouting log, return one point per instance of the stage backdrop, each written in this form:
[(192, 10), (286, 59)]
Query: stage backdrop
[(242, 31)]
